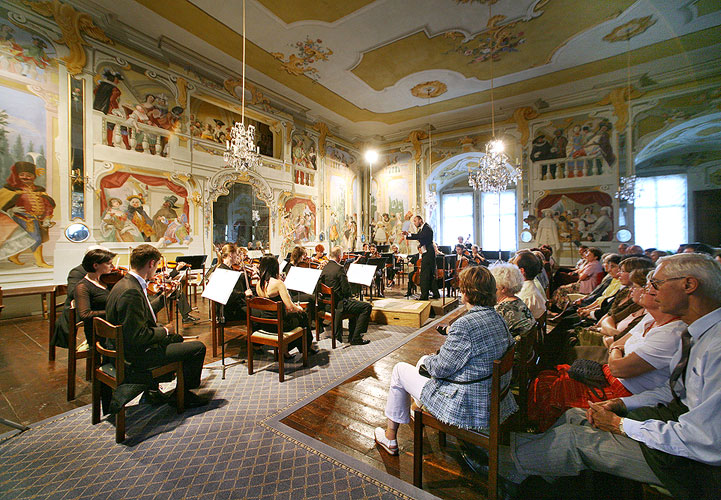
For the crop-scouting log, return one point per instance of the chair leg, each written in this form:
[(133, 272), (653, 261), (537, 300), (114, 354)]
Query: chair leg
[(88, 368), (281, 361), (250, 355), (72, 365), (120, 426), (418, 450), (305, 348), (318, 326), (95, 391), (180, 388), (493, 473)]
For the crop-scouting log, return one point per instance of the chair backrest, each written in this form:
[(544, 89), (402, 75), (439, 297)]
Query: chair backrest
[(325, 296), (264, 304), (104, 330), (500, 368)]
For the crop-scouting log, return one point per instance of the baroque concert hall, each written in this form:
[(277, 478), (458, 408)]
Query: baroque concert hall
[(367, 249)]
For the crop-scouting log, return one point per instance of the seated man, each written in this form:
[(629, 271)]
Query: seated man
[(663, 436), (146, 343), (530, 294), (333, 276)]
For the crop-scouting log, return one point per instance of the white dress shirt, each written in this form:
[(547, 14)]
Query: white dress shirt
[(533, 298), (144, 286), (697, 434)]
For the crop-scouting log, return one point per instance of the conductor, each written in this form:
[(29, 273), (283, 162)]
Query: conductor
[(428, 257)]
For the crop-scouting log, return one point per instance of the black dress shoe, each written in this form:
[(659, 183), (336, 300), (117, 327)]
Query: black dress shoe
[(153, 397), (190, 400), (190, 319), (360, 342)]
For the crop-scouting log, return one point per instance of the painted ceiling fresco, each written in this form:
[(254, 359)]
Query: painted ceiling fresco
[(358, 61)]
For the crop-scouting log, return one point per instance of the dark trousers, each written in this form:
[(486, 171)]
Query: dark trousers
[(428, 276), (683, 477), (192, 354), (360, 314)]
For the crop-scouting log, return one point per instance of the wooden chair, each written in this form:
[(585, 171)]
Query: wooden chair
[(278, 339), (112, 373), (326, 297), (525, 370), (218, 324), (489, 441), (542, 325), (74, 355)]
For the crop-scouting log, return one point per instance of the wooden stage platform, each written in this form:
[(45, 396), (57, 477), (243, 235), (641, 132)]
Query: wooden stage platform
[(345, 416)]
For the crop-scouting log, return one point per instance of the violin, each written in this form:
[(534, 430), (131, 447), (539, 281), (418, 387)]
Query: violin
[(116, 274)]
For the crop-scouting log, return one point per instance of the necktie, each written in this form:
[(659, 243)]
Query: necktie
[(680, 368)]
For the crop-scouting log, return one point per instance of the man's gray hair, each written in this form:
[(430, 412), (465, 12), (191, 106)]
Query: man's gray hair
[(698, 265), (507, 276), (336, 252)]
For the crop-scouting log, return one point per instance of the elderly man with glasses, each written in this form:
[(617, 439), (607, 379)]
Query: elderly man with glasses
[(667, 436)]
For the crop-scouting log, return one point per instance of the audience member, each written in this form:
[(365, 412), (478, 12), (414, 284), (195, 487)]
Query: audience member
[(514, 312), (458, 391), (530, 294)]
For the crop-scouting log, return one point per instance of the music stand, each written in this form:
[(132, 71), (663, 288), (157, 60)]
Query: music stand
[(378, 263)]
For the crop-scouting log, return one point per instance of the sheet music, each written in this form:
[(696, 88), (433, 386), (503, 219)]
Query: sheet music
[(361, 274), (255, 254), (302, 279), (220, 285)]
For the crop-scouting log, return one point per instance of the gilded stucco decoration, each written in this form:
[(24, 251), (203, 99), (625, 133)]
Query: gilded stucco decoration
[(218, 185), (630, 29), (182, 85), (415, 139), (618, 98), (71, 23), (322, 128), (429, 89), (257, 97), (308, 52), (492, 43), (521, 116)]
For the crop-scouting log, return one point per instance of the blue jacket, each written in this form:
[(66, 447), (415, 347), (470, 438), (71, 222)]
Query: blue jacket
[(474, 341)]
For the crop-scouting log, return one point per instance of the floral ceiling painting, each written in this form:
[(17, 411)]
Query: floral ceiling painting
[(307, 53)]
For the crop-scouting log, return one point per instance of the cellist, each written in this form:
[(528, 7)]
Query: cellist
[(477, 257)]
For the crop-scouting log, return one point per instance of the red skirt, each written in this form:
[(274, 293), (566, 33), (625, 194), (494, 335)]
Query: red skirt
[(553, 392)]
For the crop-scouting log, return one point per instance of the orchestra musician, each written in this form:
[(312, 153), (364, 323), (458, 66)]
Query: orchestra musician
[(477, 257), (424, 236), (178, 294), (91, 294), (271, 287), (319, 255), (146, 343), (297, 256), (391, 270), (374, 254), (235, 309), (333, 275)]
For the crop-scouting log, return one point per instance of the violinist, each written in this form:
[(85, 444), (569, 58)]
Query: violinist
[(164, 281), (91, 294), (392, 269), (319, 255), (374, 254), (477, 257), (235, 309), (462, 261), (298, 256)]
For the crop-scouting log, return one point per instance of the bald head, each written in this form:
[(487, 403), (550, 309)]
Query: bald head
[(335, 253)]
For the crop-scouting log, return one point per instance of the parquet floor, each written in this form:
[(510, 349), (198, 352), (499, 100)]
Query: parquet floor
[(345, 416)]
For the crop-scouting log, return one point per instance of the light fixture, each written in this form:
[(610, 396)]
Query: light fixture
[(241, 153), (626, 189), (495, 171), (371, 156)]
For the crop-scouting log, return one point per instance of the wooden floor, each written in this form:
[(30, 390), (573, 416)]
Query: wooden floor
[(345, 417)]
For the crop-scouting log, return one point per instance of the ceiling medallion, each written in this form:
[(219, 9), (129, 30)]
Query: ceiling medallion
[(630, 29), (491, 43), (307, 53), (429, 89)]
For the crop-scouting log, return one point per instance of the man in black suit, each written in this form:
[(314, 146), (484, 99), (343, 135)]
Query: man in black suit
[(428, 257), (146, 343), (333, 276)]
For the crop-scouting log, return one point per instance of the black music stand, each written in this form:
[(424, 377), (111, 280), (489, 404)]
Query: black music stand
[(379, 263)]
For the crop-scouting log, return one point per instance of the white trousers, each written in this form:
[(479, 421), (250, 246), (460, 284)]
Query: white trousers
[(405, 382)]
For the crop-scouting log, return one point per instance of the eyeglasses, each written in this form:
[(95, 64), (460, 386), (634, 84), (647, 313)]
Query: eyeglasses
[(656, 284)]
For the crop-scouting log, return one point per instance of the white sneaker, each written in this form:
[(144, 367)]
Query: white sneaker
[(390, 445)]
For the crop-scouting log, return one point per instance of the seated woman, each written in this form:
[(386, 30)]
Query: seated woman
[(91, 294), (235, 309), (610, 327), (637, 362), (477, 257), (271, 287), (299, 258), (513, 310), (319, 256), (588, 278), (459, 390)]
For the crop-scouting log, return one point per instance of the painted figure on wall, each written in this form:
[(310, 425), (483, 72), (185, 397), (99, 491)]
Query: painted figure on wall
[(547, 232), (303, 151), (24, 53), (138, 216), (166, 212), (115, 226), (29, 207)]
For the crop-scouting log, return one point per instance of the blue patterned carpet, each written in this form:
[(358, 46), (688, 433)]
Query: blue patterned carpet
[(224, 450)]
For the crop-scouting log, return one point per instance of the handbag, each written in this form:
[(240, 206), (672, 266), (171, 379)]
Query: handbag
[(588, 372)]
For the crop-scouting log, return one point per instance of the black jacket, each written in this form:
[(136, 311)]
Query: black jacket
[(128, 307), (424, 237), (333, 275)]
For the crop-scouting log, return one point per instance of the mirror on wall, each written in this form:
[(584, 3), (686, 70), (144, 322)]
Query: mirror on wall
[(624, 235), (240, 217), (76, 87), (526, 236), (77, 232)]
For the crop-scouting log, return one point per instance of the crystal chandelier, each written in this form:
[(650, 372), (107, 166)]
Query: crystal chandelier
[(241, 153), (495, 172), (626, 189)]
